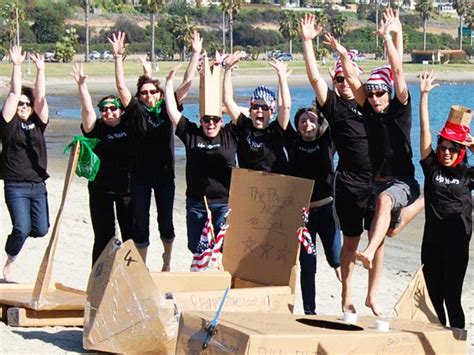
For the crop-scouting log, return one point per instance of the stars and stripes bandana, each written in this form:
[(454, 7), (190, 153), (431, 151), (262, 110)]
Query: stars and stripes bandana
[(303, 234), (352, 55), (265, 94), (380, 78)]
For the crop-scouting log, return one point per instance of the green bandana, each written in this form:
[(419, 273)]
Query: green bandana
[(157, 108), (116, 102), (89, 163)]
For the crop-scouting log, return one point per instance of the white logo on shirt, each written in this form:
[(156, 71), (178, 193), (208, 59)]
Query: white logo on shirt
[(155, 123), (28, 127), (208, 146), (253, 145), (116, 135), (309, 150), (357, 112), (445, 180)]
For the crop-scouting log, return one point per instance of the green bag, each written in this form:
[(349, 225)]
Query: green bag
[(89, 163)]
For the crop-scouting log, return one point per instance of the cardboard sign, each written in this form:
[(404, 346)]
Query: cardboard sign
[(252, 333), (261, 244)]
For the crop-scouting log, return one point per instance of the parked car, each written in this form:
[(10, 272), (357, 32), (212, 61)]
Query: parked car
[(49, 57), (94, 55), (106, 55), (359, 58), (285, 57)]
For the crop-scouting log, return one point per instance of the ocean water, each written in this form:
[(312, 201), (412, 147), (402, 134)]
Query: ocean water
[(440, 101)]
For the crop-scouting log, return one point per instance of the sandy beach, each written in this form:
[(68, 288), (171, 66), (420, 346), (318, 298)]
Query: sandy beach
[(73, 257)]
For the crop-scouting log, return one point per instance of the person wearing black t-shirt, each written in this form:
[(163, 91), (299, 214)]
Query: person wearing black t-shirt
[(261, 142), (151, 147), (448, 213), (388, 127), (23, 121), (210, 157), (110, 188), (353, 183), (310, 152)]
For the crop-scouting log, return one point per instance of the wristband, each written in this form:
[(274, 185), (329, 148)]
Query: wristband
[(387, 37)]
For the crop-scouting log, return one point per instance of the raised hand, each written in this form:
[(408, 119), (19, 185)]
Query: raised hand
[(38, 59), (118, 43), (78, 73), (172, 73), (16, 55), (233, 59), (196, 42), (308, 27), (426, 81), (146, 65), (279, 66), (330, 40), (387, 23)]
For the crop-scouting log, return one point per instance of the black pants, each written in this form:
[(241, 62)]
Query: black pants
[(444, 270), (102, 210)]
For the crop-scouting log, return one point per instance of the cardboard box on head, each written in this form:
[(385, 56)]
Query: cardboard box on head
[(460, 115), (210, 89)]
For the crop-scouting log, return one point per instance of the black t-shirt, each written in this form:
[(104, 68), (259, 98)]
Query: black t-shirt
[(24, 155), (151, 140), (389, 139), (261, 149), (312, 160), (209, 161), (447, 193), (348, 132), (112, 151)]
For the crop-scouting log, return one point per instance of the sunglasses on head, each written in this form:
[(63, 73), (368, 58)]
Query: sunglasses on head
[(339, 79), (104, 109), (264, 107), (208, 119), (451, 149), (371, 94), (24, 103), (150, 92)]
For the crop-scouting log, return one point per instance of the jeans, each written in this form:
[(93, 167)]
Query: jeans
[(196, 216), (321, 221), (27, 203), (163, 189), (102, 210)]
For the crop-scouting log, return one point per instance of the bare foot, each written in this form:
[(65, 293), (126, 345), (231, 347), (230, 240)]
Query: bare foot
[(166, 262), (365, 259), (347, 305), (338, 273), (8, 270), (375, 310)]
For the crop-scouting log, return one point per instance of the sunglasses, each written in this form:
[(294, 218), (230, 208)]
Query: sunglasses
[(451, 150), (208, 119), (257, 106), (371, 94), (24, 103), (148, 92), (104, 109), (339, 79)]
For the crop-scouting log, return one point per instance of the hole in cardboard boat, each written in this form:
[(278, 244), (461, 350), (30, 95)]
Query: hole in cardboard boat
[(328, 324)]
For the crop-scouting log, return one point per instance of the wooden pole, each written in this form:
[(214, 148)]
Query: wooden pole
[(43, 278), (209, 213)]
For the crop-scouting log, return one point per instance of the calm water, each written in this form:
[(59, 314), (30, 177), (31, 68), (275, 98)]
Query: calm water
[(441, 100)]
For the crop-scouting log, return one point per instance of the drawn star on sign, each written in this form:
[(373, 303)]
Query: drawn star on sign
[(283, 253), (266, 248), (249, 244)]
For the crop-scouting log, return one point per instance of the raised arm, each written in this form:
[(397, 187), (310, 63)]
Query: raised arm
[(308, 33), (284, 96), (118, 48), (397, 30), (171, 106), (394, 58), (146, 65), (232, 108), (40, 105), (426, 85), (183, 89), (88, 115), (11, 103), (350, 72)]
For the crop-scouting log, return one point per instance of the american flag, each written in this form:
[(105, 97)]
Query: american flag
[(303, 234)]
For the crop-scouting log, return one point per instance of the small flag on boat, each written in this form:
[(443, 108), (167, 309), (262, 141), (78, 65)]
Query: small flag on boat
[(303, 234)]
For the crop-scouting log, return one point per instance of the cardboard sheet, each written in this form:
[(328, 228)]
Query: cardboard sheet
[(266, 213), (251, 333)]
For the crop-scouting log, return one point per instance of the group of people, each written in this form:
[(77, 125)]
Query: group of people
[(368, 125)]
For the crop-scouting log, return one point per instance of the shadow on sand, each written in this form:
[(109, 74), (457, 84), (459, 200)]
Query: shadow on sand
[(67, 340)]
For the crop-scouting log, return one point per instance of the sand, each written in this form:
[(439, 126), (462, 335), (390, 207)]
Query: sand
[(73, 258)]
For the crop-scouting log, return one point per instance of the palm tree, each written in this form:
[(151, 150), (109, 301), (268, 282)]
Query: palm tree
[(425, 8), (231, 8), (462, 7), (338, 26), (469, 20), (13, 12), (321, 19), (289, 27), (182, 29), (153, 7), (86, 20)]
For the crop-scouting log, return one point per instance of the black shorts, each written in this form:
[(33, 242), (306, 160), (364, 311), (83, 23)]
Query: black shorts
[(354, 192)]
